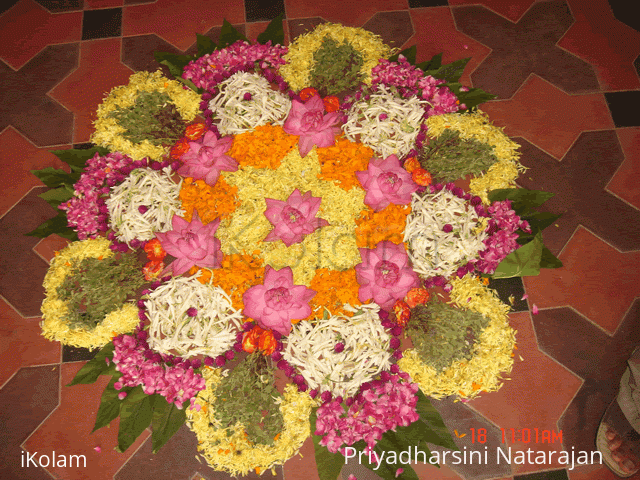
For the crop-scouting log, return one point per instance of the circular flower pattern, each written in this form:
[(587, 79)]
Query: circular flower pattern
[(54, 327)]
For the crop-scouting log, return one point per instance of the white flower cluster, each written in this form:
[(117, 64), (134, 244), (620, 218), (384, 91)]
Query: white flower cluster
[(188, 318), (385, 122), (143, 204), (311, 348), (434, 251), (237, 114)]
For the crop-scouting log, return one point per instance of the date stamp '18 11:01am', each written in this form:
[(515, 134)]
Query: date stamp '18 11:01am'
[(518, 435)]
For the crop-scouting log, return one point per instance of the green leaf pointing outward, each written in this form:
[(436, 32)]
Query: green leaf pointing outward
[(229, 35), (57, 224), (95, 367), (77, 158), (408, 53), (525, 261), (273, 32), (167, 420), (110, 404), (136, 413)]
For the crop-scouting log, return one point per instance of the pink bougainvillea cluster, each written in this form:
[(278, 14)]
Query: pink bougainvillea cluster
[(502, 240), (87, 211), (140, 365), (380, 406)]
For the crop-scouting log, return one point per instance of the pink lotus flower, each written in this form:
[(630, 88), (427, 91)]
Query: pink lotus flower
[(312, 124), (386, 182), (385, 274), (275, 303), (192, 244), (293, 219), (206, 159)]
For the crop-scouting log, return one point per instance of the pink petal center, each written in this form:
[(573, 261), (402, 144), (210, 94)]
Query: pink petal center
[(387, 274), (207, 156), (292, 215), (311, 120), (389, 182), (278, 298)]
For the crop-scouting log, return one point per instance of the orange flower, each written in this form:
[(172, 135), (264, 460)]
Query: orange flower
[(402, 313), (411, 164), (331, 103), (375, 227), (153, 269), (250, 339), (421, 177), (154, 250), (264, 147), (267, 342), (180, 148), (195, 131), (339, 162), (307, 93), (214, 202), (335, 289), (417, 296)]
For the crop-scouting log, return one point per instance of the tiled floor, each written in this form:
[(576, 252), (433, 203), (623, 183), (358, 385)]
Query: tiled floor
[(566, 73)]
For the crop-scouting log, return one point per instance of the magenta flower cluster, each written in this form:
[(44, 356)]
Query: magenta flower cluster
[(380, 406), (411, 81), (502, 240), (140, 365), (87, 211), (206, 71)]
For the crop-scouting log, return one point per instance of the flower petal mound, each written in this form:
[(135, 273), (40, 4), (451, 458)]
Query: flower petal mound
[(312, 124), (311, 349), (189, 318), (385, 274), (386, 182), (206, 159), (293, 219), (275, 303), (192, 243)]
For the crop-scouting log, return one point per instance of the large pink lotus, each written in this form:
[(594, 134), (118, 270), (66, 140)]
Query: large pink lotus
[(312, 124), (192, 243), (385, 274), (206, 159), (275, 303), (293, 219), (386, 182)]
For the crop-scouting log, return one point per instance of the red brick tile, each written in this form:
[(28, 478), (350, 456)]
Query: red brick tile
[(535, 396), (178, 22), (27, 28), (23, 158), (624, 183), (68, 431), (94, 4), (595, 472), (22, 343), (352, 14), (548, 117), (81, 92), (606, 43), (303, 466), (596, 280), (511, 10), (47, 247), (436, 33)]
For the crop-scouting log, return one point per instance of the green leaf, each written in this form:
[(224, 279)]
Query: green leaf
[(389, 442), (273, 32), (523, 200), (450, 72), (205, 45), (58, 225), (409, 53), (95, 367), (525, 261), (77, 158), (471, 98), (109, 404), (167, 420), (56, 196), (549, 260), (434, 64), (438, 431), (229, 35), (538, 221), (176, 63), (53, 177), (329, 464), (135, 416), (190, 84)]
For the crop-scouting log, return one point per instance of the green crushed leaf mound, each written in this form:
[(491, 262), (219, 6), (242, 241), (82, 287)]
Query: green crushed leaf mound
[(442, 334), (449, 157), (97, 287), (248, 396), (336, 67), (153, 117)]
